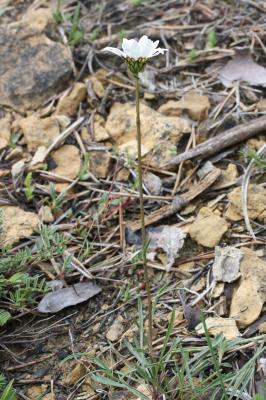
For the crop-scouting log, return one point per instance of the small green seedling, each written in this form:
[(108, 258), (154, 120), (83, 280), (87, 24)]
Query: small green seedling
[(84, 171), (211, 40), (56, 199), (29, 187), (193, 55)]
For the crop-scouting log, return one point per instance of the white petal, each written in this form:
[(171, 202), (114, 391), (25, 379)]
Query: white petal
[(114, 50), (153, 47), (128, 45), (144, 40), (146, 45)]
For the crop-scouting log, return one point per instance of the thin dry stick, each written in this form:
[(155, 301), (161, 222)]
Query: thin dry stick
[(226, 139), (142, 217), (178, 177)]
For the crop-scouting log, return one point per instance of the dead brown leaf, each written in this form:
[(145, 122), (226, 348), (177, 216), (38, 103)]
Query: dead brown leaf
[(66, 297), (243, 68)]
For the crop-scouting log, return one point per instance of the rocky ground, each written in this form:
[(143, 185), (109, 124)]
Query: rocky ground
[(70, 269)]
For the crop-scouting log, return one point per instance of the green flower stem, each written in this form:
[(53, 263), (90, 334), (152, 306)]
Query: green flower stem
[(141, 202)]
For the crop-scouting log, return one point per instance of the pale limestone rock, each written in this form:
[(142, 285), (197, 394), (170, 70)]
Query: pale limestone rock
[(256, 203), (116, 330), (97, 86), (39, 131), (100, 133), (39, 155), (17, 224), (262, 327), (196, 105), (161, 154), (261, 106), (217, 291), (199, 285), (99, 162), (130, 149), (5, 131), (77, 372), (227, 178), (45, 214), (217, 325), (171, 108), (249, 296), (208, 228), (67, 159), (35, 392), (69, 104), (160, 134), (49, 396), (38, 21)]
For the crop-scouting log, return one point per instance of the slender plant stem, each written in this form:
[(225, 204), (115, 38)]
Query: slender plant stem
[(141, 202)]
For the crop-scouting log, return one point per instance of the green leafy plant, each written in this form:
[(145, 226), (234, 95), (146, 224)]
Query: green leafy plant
[(4, 317), (56, 199), (211, 39), (7, 392), (76, 34), (14, 138), (18, 288), (29, 187), (258, 160), (84, 171), (193, 55)]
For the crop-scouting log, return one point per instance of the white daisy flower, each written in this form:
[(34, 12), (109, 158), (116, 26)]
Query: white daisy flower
[(144, 48), (137, 53)]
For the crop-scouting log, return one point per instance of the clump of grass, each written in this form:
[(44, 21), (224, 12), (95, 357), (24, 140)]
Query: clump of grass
[(58, 17), (180, 371), (7, 392), (76, 34)]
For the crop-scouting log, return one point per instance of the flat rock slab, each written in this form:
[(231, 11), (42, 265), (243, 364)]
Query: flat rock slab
[(32, 68), (17, 224), (160, 133)]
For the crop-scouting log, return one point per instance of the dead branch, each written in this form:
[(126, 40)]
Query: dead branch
[(179, 202), (222, 141)]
